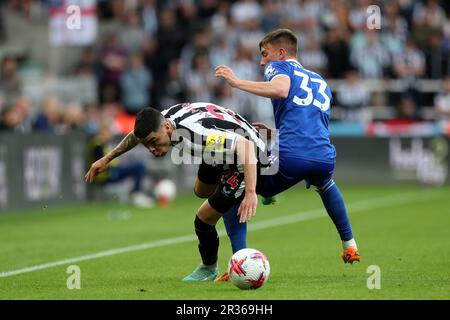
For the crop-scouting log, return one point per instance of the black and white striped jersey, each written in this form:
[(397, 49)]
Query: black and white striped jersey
[(208, 129)]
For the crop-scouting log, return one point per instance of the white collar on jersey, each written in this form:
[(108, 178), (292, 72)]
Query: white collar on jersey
[(296, 61)]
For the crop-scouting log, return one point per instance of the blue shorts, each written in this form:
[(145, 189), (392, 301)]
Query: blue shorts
[(293, 170)]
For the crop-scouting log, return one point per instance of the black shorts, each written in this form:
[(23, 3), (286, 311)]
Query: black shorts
[(231, 186)]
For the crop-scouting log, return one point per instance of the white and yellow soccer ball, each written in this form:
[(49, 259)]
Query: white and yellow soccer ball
[(248, 269)]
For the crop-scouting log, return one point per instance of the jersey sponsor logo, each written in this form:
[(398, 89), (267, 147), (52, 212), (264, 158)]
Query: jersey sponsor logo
[(270, 71), (215, 141), (225, 191)]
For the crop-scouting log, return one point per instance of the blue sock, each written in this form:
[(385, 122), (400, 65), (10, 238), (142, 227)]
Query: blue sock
[(237, 232), (335, 206)]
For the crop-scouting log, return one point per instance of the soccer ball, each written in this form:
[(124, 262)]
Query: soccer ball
[(248, 269), (165, 191)]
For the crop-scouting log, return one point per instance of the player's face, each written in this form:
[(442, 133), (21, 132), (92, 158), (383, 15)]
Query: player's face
[(158, 143), (270, 53)]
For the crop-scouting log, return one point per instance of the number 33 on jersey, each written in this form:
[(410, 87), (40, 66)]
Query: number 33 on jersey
[(302, 118)]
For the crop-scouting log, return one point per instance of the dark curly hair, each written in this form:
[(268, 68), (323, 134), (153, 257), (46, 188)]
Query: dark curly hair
[(148, 120)]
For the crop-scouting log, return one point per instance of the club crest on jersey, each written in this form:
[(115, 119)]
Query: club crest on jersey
[(215, 142), (270, 71)]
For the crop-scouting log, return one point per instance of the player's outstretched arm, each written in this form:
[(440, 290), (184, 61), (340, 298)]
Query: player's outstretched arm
[(246, 153), (278, 88), (127, 143)]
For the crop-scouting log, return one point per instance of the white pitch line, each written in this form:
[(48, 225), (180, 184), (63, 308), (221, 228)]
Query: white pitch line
[(353, 208)]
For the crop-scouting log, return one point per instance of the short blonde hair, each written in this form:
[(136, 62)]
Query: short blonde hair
[(283, 38)]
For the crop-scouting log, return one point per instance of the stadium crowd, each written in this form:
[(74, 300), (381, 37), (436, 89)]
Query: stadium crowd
[(164, 52)]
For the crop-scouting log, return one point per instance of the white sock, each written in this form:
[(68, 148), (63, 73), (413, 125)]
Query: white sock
[(349, 243)]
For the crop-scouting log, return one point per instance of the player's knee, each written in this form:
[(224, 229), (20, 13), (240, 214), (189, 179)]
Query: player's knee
[(324, 187), (202, 225), (207, 218), (201, 192)]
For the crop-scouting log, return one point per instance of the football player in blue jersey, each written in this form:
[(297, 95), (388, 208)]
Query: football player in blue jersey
[(301, 102)]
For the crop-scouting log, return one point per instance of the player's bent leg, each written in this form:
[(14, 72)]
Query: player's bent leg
[(204, 190), (207, 180), (205, 228)]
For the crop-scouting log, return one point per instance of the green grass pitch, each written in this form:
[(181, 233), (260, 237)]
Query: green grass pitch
[(402, 230)]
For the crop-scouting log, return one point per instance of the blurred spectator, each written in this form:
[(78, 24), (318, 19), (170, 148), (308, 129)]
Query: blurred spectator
[(121, 122), (245, 68), (358, 15), (118, 9), (173, 91), (170, 37), (220, 20), (200, 43), (200, 81), (352, 96), (436, 57), (224, 96), (410, 64), (446, 27), (23, 109), (393, 20), (49, 116), (136, 84), (427, 17), (368, 55), (249, 35), (407, 109), (154, 61), (87, 65), (9, 119), (188, 17), (149, 17), (132, 35), (303, 15), (313, 58), (394, 32), (442, 100), (245, 10), (221, 52), (10, 83), (113, 62), (335, 15), (271, 17), (206, 8), (73, 117), (337, 51), (92, 119), (117, 172)]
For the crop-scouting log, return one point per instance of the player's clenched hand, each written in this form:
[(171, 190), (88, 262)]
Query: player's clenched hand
[(228, 74), (97, 167), (247, 209)]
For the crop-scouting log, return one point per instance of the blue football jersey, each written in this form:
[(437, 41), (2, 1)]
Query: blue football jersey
[(302, 118)]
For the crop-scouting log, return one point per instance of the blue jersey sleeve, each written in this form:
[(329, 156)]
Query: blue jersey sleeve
[(276, 68)]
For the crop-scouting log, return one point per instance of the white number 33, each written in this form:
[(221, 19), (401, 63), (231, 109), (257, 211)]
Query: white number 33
[(304, 85)]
